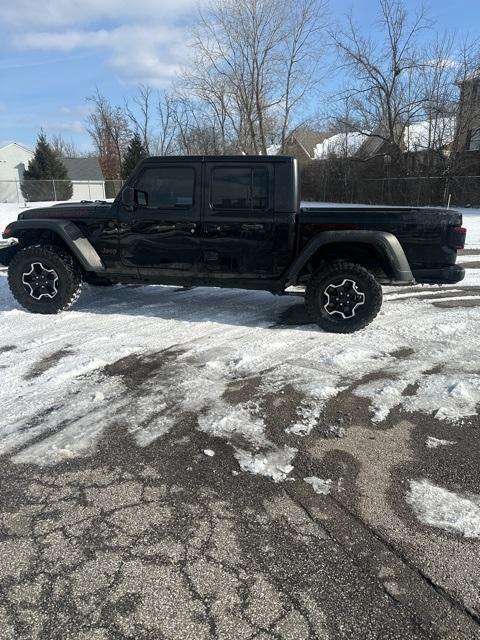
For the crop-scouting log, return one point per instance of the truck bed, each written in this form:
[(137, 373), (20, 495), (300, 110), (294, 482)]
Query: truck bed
[(342, 211)]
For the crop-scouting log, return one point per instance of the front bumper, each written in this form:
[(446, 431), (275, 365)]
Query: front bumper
[(8, 249), (441, 275)]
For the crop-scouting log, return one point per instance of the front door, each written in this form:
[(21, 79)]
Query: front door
[(161, 232), (238, 223)]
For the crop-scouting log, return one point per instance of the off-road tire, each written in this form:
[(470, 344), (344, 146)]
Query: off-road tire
[(68, 284), (332, 274)]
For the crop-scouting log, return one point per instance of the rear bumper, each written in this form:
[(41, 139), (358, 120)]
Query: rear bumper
[(441, 275)]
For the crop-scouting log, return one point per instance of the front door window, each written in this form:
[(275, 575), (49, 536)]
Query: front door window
[(166, 188)]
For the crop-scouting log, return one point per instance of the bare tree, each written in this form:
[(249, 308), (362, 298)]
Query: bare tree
[(141, 114), (110, 132), (64, 148), (253, 66), (467, 83), (168, 111), (384, 94), (196, 129)]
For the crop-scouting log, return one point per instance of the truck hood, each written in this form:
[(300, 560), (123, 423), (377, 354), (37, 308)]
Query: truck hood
[(70, 210)]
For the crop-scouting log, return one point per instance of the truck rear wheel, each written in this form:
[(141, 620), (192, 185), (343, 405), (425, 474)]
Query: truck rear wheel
[(44, 279), (343, 297)]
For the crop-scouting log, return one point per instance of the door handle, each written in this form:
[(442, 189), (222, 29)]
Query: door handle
[(252, 227)]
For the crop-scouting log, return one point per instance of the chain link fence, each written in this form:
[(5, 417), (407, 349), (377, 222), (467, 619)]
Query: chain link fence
[(16, 191), (411, 191), (322, 185), (421, 191)]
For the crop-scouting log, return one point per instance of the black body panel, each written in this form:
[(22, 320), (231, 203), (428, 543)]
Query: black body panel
[(237, 221), (423, 233), (158, 239)]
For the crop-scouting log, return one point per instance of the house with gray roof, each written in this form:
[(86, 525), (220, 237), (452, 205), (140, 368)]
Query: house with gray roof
[(86, 176), (85, 173)]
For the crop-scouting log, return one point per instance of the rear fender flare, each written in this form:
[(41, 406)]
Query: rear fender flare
[(386, 244), (81, 248)]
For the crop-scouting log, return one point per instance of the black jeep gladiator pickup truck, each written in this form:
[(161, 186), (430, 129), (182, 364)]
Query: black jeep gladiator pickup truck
[(231, 222)]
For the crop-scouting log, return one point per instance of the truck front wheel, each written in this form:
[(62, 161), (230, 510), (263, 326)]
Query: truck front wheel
[(343, 297), (44, 279)]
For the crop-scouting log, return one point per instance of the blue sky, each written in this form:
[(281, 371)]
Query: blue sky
[(54, 53)]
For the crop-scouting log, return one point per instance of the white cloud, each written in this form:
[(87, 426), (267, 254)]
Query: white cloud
[(61, 13), (3, 107), (80, 110), (74, 126), (142, 43)]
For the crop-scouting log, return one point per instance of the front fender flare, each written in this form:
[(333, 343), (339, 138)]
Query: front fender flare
[(387, 245), (71, 235)]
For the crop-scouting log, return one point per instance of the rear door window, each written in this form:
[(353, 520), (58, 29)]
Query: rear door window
[(239, 188)]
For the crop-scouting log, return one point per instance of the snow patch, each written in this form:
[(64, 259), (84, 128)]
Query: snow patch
[(245, 431), (384, 395), (226, 336), (448, 397), (340, 144), (319, 485), (275, 464), (238, 422), (438, 507), (433, 443)]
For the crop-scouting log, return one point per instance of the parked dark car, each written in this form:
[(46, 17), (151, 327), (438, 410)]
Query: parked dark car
[(231, 222)]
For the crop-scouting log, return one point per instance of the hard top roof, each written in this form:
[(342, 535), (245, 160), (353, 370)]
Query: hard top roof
[(238, 159)]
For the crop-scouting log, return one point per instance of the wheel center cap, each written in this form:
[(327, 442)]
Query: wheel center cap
[(343, 299), (40, 281)]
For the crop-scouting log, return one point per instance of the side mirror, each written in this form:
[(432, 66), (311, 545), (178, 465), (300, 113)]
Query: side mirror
[(128, 196)]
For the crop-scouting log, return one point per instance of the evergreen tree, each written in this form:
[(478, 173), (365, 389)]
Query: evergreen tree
[(46, 177), (134, 153)]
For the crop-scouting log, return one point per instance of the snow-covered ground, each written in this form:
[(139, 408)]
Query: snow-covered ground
[(142, 356)]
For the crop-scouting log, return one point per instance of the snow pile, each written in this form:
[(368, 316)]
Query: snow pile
[(340, 145), (275, 464), (320, 486), (385, 395), (274, 149), (448, 397), (429, 134), (246, 431), (445, 509)]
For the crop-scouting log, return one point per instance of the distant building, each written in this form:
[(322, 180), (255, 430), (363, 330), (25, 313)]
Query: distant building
[(417, 137), (87, 179), (14, 159), (85, 173), (300, 144), (468, 125)]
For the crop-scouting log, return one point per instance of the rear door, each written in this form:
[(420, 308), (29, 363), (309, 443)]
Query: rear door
[(161, 234), (238, 223)]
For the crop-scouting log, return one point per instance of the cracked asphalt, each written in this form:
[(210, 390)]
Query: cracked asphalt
[(131, 543), (163, 542)]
